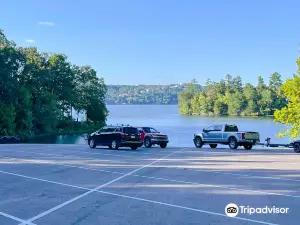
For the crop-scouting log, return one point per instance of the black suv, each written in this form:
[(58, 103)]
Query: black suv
[(115, 137)]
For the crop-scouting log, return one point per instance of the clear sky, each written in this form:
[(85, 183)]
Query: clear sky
[(162, 41)]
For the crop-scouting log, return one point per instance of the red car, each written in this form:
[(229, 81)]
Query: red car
[(151, 136)]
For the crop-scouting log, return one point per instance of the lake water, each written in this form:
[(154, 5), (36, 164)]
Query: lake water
[(180, 128)]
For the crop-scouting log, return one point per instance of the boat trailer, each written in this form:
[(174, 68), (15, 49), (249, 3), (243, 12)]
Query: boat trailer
[(295, 145)]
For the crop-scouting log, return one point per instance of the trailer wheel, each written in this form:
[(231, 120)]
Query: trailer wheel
[(297, 147), (248, 146), (233, 144)]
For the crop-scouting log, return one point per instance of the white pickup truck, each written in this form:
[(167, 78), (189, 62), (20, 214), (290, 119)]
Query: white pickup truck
[(226, 134)]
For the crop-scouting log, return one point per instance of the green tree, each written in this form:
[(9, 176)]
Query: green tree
[(220, 108), (23, 119), (228, 83), (251, 96), (236, 104), (290, 114), (204, 104), (7, 119), (261, 84), (237, 84), (39, 90), (185, 97), (184, 103), (278, 98), (195, 104)]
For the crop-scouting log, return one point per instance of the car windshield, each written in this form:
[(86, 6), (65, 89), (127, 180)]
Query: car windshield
[(150, 130)]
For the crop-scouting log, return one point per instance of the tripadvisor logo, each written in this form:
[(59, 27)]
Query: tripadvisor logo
[(233, 210)]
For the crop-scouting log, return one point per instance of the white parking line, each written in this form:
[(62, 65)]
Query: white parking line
[(89, 153), (43, 180), (187, 208), (71, 156), (240, 153), (179, 181), (97, 188), (134, 198), (244, 175), (15, 218), (140, 158), (68, 151), (187, 182), (133, 153)]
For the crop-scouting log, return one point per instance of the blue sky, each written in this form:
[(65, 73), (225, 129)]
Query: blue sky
[(162, 41)]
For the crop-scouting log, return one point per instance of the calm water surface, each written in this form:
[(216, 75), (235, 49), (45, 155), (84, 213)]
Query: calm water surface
[(180, 128), (167, 119)]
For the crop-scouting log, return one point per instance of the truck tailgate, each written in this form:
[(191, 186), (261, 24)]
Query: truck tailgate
[(251, 135)]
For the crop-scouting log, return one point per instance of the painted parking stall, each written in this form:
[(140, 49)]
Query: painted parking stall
[(71, 184)]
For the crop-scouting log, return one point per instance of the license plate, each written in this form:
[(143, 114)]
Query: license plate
[(132, 136)]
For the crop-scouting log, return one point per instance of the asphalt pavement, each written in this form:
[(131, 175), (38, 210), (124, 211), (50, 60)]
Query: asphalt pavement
[(76, 185)]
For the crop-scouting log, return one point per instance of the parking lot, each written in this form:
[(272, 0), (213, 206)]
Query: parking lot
[(73, 184)]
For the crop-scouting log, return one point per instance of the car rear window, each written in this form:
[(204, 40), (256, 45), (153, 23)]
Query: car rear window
[(231, 128), (130, 130)]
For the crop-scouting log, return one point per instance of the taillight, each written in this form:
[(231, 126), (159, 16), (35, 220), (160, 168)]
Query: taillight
[(122, 134), (243, 135)]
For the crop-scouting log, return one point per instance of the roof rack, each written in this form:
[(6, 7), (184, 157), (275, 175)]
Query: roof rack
[(120, 125)]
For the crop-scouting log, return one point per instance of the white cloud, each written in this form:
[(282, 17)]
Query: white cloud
[(30, 41), (44, 23)]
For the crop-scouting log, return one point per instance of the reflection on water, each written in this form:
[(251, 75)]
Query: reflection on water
[(182, 128), (58, 139), (167, 120)]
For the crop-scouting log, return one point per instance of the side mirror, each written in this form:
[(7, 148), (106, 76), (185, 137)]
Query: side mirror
[(204, 130)]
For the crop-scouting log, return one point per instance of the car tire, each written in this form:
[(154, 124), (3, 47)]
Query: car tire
[(109, 147), (198, 142), (297, 147), (164, 145), (134, 147), (248, 146), (92, 143), (233, 144), (114, 145), (213, 145), (147, 142)]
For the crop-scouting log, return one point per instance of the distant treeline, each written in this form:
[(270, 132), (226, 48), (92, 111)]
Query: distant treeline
[(231, 97), (144, 94), (38, 91)]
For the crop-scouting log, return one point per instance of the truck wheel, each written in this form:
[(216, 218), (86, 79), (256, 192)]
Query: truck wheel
[(233, 144), (248, 146), (164, 145), (147, 142), (114, 145), (134, 147), (92, 143), (198, 142), (213, 145), (297, 147)]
